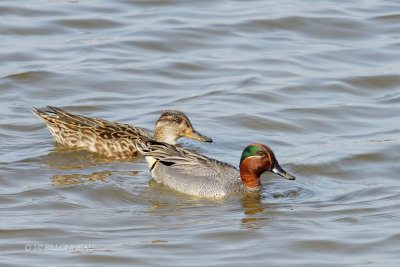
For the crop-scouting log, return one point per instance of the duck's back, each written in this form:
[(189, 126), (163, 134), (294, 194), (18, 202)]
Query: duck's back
[(96, 135)]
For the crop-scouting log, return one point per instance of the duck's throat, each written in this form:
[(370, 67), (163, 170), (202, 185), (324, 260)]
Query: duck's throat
[(164, 137), (250, 178)]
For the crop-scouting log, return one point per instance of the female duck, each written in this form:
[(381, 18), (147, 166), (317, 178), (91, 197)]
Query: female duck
[(114, 139), (198, 175)]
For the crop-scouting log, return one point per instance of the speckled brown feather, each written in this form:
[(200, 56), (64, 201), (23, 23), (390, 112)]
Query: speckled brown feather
[(108, 138)]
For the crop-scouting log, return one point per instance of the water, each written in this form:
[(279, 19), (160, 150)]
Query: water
[(318, 82)]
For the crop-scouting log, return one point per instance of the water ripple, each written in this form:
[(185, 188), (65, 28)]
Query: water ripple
[(317, 82)]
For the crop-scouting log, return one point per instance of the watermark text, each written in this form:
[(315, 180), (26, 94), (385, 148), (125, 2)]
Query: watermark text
[(67, 247)]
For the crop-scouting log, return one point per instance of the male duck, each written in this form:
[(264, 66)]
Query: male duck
[(114, 139), (201, 176)]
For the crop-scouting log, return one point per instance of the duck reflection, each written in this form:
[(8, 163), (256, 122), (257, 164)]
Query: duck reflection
[(253, 209), (69, 179), (253, 213), (65, 158)]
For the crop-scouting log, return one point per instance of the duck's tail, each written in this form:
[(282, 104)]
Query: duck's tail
[(40, 114)]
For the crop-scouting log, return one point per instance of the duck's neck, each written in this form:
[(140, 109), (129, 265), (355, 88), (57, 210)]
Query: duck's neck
[(249, 174), (160, 135)]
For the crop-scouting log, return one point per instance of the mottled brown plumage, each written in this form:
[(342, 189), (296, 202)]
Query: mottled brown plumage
[(113, 139)]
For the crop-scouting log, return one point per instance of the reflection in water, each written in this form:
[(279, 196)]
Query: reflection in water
[(166, 201), (253, 210), (288, 193), (68, 179), (256, 210), (65, 158), (318, 83)]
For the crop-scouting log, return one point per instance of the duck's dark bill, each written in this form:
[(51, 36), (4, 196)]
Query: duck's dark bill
[(199, 137), (278, 170)]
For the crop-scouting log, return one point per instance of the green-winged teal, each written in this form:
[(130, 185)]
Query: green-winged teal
[(114, 139), (199, 175)]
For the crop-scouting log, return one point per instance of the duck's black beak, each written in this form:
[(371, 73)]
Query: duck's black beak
[(198, 136), (278, 170)]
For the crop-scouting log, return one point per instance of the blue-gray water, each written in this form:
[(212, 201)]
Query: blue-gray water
[(318, 81)]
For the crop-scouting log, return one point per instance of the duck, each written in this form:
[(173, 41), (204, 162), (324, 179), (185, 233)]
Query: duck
[(113, 139), (197, 175)]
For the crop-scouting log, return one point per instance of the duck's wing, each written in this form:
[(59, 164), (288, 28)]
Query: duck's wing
[(184, 160)]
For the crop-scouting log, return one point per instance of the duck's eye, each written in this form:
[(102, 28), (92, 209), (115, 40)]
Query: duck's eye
[(261, 153)]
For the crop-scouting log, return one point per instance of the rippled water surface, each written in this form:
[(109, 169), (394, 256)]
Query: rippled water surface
[(318, 81)]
